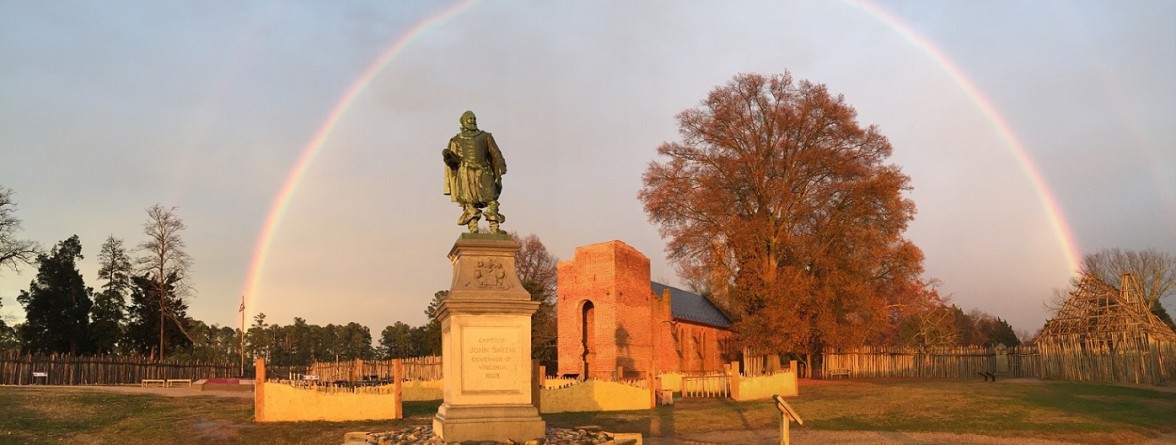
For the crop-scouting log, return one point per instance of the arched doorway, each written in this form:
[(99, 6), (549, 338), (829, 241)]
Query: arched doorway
[(588, 335)]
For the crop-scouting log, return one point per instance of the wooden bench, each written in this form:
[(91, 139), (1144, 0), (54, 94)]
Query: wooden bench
[(173, 382), (43, 376), (844, 372), (146, 382)]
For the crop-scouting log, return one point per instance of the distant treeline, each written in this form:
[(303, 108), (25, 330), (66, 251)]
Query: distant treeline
[(141, 307)]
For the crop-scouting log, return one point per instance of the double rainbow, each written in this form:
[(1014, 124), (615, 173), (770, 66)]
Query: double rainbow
[(1061, 228)]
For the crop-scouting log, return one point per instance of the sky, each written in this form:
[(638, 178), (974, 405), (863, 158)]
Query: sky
[(299, 140)]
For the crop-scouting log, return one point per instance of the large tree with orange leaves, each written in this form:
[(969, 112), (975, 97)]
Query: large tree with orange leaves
[(783, 207)]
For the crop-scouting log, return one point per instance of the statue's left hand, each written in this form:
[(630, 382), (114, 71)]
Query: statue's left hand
[(451, 158)]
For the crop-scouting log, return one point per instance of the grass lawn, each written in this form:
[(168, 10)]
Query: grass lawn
[(1072, 412), (80, 415)]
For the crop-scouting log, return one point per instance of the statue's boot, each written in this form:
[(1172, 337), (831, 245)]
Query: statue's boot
[(473, 225), (469, 213), (494, 217)]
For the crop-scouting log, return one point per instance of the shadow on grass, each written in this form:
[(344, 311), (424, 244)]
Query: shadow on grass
[(418, 410), (686, 417), (1023, 408), (1108, 404)]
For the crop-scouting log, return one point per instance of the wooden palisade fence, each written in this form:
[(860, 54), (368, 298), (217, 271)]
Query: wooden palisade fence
[(415, 368), (67, 369), (1100, 334), (939, 362), (1141, 362), (1127, 360)]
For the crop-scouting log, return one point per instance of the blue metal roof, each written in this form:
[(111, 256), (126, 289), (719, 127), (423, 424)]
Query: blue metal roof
[(689, 306)]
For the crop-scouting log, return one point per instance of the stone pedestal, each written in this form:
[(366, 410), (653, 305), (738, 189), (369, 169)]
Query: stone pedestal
[(486, 346)]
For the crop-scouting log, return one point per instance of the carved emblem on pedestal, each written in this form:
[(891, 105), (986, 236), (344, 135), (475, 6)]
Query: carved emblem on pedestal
[(490, 274)]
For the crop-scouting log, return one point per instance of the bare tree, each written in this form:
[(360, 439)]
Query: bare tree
[(1155, 271), (925, 319), (536, 268), (13, 251), (163, 256)]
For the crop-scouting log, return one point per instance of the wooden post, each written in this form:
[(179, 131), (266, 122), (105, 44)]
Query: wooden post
[(733, 373), (357, 371), (784, 439), (652, 390), (536, 384), (259, 392), (398, 386), (787, 415)]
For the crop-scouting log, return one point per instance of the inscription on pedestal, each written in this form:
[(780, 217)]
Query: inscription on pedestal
[(492, 359)]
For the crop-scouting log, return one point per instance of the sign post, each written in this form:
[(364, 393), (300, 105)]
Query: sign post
[(787, 415)]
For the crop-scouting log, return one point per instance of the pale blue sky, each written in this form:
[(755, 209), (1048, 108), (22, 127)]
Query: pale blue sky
[(109, 107)]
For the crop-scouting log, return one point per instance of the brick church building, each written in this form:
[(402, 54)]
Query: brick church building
[(612, 319)]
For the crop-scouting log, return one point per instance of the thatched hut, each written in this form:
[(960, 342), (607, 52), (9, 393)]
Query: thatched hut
[(1104, 334)]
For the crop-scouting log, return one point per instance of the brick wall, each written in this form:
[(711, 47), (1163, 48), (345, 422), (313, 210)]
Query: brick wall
[(628, 319), (614, 277)]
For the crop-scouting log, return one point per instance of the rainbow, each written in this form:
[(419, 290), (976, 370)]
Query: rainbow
[(278, 208), (1053, 210)]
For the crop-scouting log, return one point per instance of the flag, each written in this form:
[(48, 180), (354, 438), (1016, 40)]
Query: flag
[(242, 308)]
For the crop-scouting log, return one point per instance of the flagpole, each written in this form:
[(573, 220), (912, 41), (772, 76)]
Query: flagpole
[(242, 311)]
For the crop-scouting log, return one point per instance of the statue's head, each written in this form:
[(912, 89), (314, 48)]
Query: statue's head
[(469, 122)]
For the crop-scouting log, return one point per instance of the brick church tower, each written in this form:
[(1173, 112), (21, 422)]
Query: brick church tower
[(615, 322)]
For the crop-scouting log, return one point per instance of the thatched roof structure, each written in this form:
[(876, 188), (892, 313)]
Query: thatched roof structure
[(1097, 313)]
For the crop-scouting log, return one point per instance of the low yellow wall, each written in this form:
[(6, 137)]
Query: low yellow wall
[(671, 381), (593, 395), (284, 403), (419, 390), (762, 387)]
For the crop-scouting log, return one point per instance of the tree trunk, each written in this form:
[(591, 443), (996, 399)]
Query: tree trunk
[(808, 368), (161, 330)]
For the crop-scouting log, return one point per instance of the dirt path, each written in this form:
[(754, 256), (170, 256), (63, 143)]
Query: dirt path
[(194, 391), (801, 437)]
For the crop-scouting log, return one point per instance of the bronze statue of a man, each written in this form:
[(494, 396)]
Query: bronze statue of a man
[(473, 174)]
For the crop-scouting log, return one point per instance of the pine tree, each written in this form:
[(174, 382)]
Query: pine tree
[(396, 341), (108, 317), (144, 313), (57, 303), (428, 337), (258, 342)]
